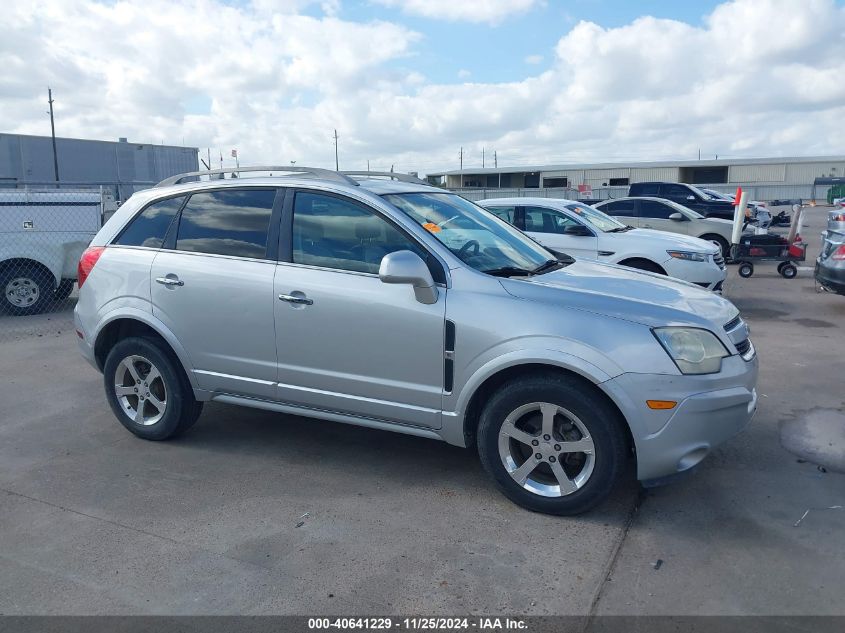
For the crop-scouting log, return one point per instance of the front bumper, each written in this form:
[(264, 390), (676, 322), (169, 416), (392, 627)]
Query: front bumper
[(708, 275), (711, 409)]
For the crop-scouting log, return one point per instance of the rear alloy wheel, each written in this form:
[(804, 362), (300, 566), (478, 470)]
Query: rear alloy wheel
[(148, 391), (552, 444)]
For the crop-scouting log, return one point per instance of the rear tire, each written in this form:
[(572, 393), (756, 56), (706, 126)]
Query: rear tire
[(27, 289), (513, 430), (148, 390)]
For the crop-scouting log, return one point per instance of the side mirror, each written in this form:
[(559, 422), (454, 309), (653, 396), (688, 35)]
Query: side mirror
[(405, 267), (578, 230), (677, 216)]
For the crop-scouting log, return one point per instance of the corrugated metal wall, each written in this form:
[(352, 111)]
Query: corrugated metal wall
[(125, 167), (807, 172), (647, 174), (758, 173)]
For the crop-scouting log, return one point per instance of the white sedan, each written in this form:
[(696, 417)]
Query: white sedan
[(581, 231)]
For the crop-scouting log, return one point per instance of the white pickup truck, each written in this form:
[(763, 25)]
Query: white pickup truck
[(42, 235)]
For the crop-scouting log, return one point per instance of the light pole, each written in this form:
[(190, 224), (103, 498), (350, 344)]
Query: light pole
[(53, 133)]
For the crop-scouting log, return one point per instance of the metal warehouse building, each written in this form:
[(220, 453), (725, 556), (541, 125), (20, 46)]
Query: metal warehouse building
[(765, 178), (122, 167)]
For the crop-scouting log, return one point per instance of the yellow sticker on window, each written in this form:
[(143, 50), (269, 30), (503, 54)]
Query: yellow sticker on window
[(432, 227)]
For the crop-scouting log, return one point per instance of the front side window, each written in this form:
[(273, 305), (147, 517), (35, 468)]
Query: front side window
[(656, 210), (338, 233), (475, 236), (541, 220), (229, 222), (149, 227), (508, 214)]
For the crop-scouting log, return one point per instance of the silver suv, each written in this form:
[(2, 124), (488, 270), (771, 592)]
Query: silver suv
[(377, 300)]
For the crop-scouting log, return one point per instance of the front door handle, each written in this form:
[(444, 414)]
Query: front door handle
[(297, 299), (169, 281)]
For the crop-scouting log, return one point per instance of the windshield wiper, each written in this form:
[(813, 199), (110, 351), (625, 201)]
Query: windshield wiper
[(621, 229), (509, 271), (552, 264)]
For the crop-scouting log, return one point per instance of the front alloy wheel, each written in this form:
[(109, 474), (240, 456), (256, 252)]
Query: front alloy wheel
[(553, 443), (546, 449)]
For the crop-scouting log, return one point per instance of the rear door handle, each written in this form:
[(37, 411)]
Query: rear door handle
[(169, 281), (296, 299)]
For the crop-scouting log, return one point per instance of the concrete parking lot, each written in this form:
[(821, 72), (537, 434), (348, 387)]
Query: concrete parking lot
[(253, 512)]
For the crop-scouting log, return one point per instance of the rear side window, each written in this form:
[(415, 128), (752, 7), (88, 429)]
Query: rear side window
[(676, 192), (645, 188), (149, 227), (619, 207), (231, 222), (542, 220)]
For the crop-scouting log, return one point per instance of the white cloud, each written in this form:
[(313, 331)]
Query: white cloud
[(490, 11), (533, 59), (463, 73), (747, 82)]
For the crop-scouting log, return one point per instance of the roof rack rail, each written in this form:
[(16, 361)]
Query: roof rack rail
[(317, 172), (389, 174)]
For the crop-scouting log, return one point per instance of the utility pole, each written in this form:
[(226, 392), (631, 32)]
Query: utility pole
[(699, 153), (495, 160), (461, 156), (368, 164), (53, 133), (482, 158), (336, 163)]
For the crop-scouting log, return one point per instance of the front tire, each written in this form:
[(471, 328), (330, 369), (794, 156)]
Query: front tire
[(148, 390), (552, 444), (721, 242)]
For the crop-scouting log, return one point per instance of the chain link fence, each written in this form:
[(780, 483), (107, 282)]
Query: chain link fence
[(43, 232)]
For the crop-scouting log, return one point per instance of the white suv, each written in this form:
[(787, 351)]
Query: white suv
[(579, 230)]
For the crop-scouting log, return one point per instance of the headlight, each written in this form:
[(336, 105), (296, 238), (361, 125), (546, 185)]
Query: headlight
[(690, 256), (694, 351)]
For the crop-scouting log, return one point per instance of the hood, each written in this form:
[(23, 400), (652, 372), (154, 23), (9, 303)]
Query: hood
[(672, 241), (647, 298)]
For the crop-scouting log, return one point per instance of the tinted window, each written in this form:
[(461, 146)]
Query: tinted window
[(676, 192), (231, 222), (338, 233), (619, 207), (540, 220), (150, 226), (508, 214), (647, 189), (654, 209)]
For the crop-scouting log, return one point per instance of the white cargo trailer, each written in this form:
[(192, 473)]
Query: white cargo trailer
[(42, 235)]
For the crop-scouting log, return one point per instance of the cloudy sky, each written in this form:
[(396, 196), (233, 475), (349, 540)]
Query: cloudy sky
[(408, 82)]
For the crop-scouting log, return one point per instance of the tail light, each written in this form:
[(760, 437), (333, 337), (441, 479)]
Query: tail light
[(86, 263), (839, 253), (837, 217)]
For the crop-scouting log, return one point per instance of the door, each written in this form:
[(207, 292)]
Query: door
[(680, 194), (548, 226), (655, 215), (214, 288), (346, 342)]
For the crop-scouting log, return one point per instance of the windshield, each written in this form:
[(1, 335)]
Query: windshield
[(594, 217), (478, 238)]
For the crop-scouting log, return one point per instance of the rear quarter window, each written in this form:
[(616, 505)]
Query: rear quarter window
[(149, 227)]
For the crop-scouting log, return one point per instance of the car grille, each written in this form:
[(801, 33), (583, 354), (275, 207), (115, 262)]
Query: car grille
[(720, 260), (744, 347)]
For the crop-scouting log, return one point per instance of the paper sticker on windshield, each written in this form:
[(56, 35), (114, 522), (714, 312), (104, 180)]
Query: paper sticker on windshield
[(432, 227)]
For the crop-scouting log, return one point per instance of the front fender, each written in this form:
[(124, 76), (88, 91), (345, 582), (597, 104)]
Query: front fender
[(452, 430)]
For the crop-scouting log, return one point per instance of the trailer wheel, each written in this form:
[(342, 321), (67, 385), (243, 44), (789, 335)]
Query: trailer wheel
[(787, 270), (746, 269)]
